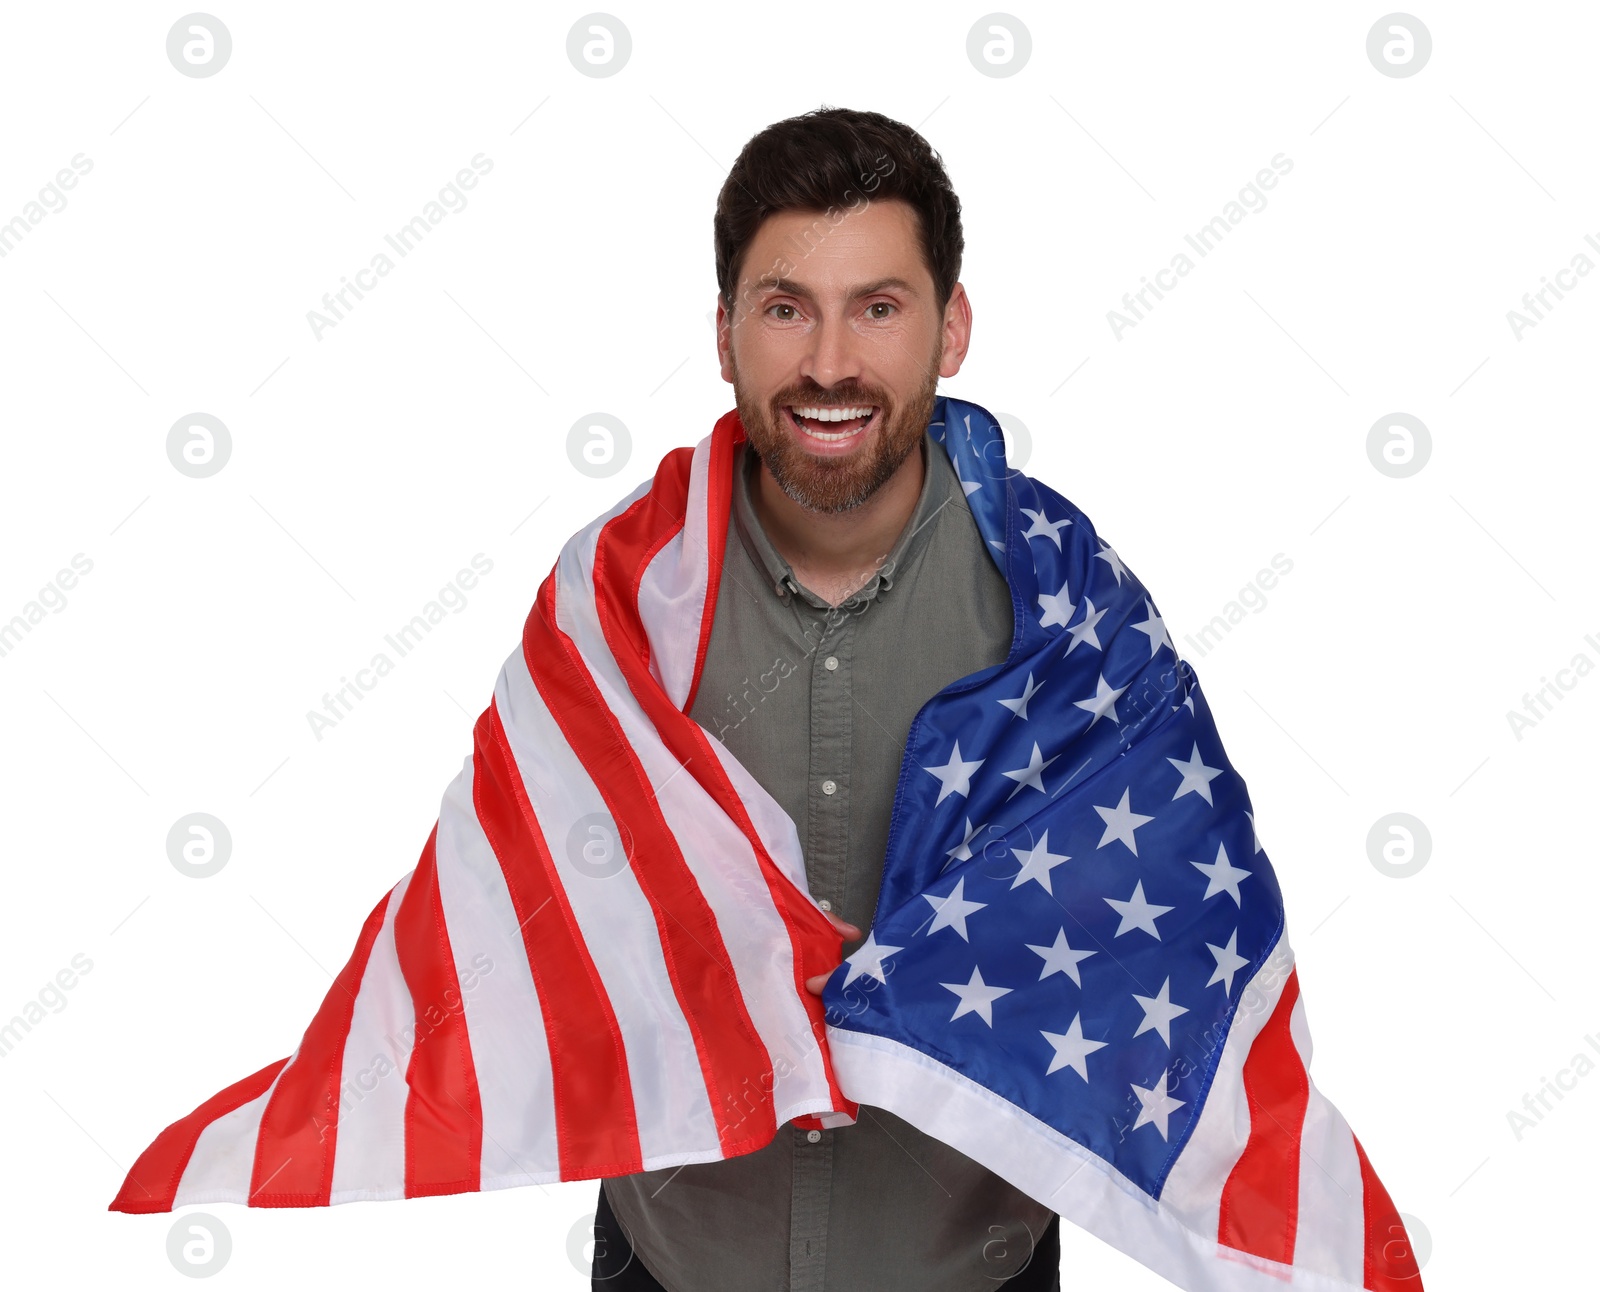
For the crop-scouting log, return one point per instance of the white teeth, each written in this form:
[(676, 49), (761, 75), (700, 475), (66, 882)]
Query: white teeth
[(831, 414)]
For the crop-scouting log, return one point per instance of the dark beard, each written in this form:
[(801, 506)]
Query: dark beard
[(826, 485)]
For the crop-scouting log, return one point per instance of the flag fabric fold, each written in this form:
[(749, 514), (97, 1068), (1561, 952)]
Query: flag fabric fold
[(1078, 972)]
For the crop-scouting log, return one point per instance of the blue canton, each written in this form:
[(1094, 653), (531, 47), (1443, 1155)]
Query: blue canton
[(1074, 899)]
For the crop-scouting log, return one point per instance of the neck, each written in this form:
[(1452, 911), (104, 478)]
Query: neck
[(836, 553)]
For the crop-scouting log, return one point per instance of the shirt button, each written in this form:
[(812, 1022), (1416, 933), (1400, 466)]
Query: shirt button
[(825, 904), (828, 787), (831, 663), (812, 1136)]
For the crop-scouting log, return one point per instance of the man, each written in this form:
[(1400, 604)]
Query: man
[(836, 677), (850, 553)]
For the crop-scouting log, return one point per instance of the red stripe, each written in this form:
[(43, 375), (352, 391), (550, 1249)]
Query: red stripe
[(1390, 1264), (444, 1117), (719, 504), (596, 1129), (730, 1052), (626, 546), (153, 1182), (300, 1126), (1261, 1200)]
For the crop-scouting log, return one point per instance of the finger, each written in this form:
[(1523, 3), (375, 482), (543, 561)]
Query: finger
[(844, 926), (816, 982)]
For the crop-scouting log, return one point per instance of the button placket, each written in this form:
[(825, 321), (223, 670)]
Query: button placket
[(831, 717)]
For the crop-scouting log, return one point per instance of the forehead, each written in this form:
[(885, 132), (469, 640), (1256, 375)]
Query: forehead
[(828, 249)]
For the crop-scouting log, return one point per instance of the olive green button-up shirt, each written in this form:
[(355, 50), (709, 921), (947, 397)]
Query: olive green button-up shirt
[(816, 702)]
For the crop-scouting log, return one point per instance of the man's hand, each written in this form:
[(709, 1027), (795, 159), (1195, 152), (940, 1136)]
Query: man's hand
[(848, 932)]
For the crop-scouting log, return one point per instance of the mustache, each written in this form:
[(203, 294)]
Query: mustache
[(851, 399)]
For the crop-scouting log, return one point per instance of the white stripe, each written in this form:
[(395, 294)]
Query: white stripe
[(369, 1132), (1300, 1031), (510, 1052), (1054, 1170), (672, 593), (1193, 1189), (718, 856), (224, 1155), (1332, 1230), (618, 927)]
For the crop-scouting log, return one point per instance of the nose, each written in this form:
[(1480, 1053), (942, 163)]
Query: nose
[(833, 355)]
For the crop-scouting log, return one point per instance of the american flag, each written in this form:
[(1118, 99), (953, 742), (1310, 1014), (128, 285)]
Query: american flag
[(1078, 973)]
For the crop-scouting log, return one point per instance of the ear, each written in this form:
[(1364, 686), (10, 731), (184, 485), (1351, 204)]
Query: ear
[(957, 332), (724, 340)]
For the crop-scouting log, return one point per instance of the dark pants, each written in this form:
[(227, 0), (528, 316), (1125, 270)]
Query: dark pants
[(617, 1269)]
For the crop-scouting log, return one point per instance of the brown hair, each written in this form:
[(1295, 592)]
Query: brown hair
[(831, 158)]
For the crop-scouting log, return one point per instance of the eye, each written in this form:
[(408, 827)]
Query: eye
[(879, 305), (781, 305)]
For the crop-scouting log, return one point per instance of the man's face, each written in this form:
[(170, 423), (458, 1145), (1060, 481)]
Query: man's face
[(835, 347)]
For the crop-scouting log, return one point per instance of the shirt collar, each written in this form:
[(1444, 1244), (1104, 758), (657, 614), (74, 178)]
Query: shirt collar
[(938, 489)]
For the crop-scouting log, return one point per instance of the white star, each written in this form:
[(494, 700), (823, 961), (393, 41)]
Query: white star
[(1137, 913), (955, 777), (1019, 704), (1253, 833), (1060, 958), (1159, 1011), (1031, 774), (951, 911), (1121, 821), (969, 487), (1057, 607), (1222, 876), (1155, 628), (1102, 702), (1188, 702), (1037, 864), (1084, 630), (1196, 776), (963, 850), (977, 997), (867, 960), (1156, 1106), (1229, 962), (1110, 557), (1072, 1048), (1042, 528)]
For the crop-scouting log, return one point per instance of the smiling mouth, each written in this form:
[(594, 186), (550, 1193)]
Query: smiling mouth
[(832, 424)]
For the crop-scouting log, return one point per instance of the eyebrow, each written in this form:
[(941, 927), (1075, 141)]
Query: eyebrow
[(776, 282)]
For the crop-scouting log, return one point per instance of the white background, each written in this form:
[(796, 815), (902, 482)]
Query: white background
[(372, 463)]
